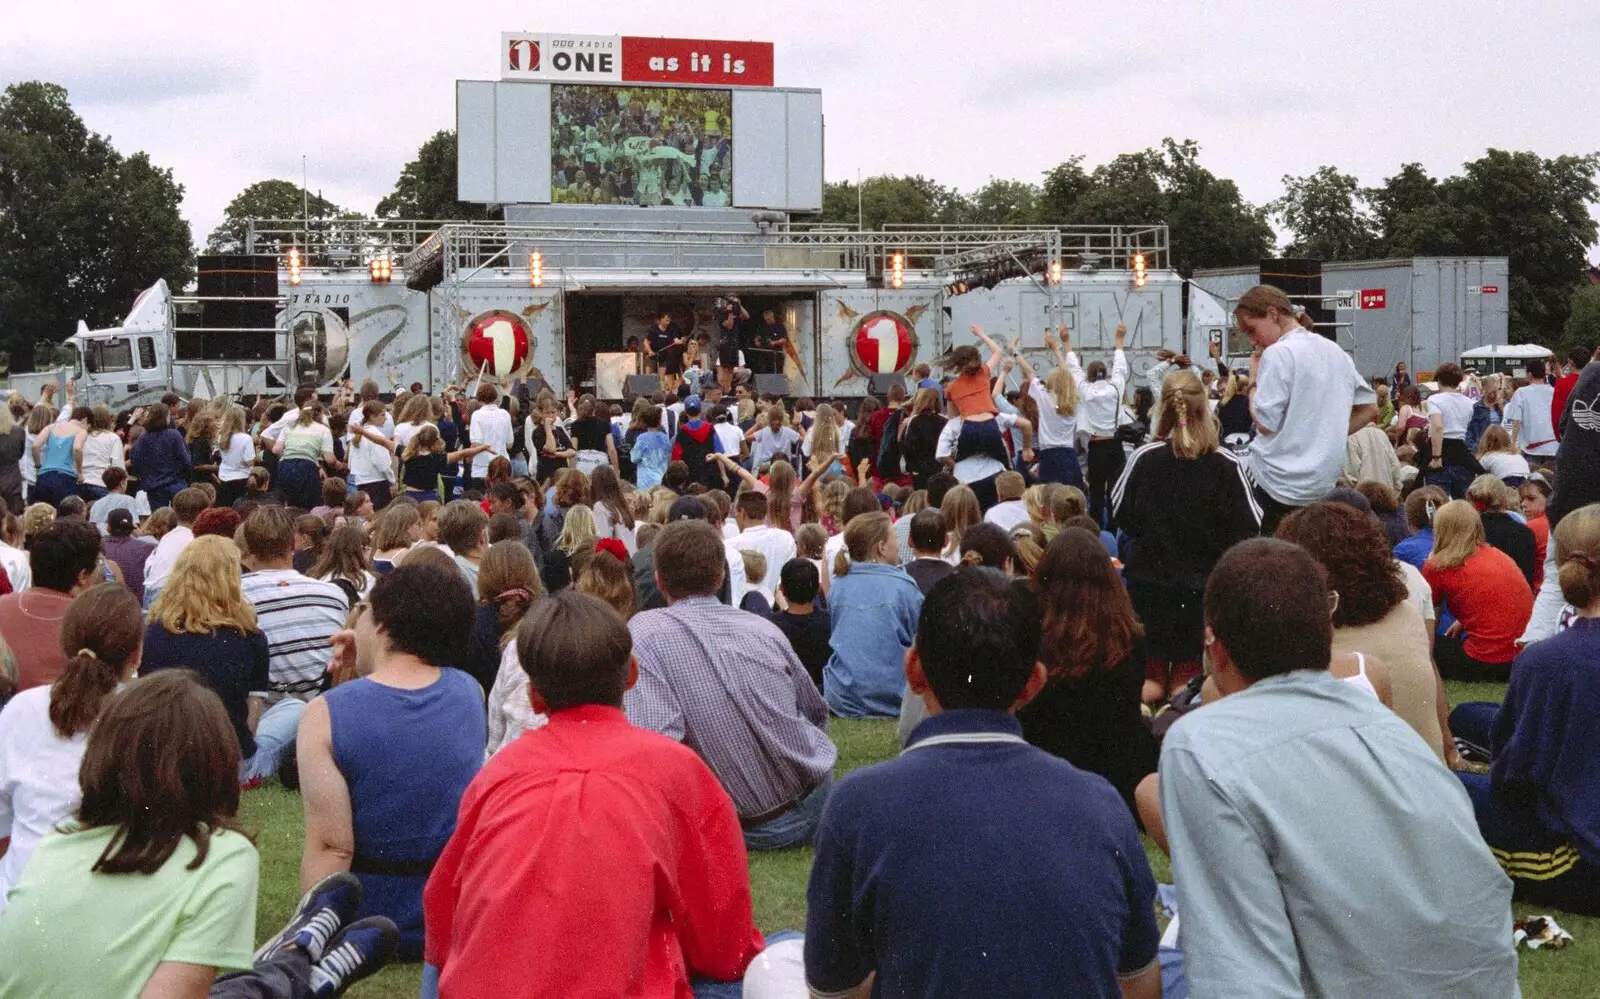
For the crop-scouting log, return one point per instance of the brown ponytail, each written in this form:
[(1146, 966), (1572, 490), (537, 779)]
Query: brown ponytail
[(971, 557), (101, 636)]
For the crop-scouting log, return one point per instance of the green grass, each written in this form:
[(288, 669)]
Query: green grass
[(778, 880)]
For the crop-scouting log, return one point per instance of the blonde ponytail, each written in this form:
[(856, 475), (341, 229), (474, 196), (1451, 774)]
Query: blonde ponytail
[(971, 557), (841, 563), (1577, 541)]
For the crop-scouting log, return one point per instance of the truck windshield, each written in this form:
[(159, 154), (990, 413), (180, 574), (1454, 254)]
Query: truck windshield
[(110, 355)]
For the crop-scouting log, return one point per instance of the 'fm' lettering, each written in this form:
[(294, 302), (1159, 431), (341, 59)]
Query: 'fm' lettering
[(698, 63)]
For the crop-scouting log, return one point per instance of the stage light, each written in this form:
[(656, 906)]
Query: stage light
[(294, 265), (536, 269), (380, 269), (897, 270), (1055, 272), (1138, 270)]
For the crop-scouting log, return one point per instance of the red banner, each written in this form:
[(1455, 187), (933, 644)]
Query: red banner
[(1491, 289), (1374, 298), (688, 60)]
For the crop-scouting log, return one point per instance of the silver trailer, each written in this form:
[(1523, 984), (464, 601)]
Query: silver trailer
[(1422, 310)]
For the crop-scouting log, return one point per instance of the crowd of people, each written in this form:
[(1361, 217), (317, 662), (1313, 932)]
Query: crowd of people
[(544, 671)]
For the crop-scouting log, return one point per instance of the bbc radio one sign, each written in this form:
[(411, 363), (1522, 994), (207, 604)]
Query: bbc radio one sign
[(622, 59)]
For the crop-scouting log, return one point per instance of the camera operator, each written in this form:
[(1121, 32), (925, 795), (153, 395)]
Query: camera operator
[(731, 317)]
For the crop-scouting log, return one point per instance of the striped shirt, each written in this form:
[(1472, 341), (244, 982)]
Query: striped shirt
[(299, 616)]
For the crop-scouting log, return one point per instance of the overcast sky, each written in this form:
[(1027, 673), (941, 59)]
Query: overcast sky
[(957, 91)]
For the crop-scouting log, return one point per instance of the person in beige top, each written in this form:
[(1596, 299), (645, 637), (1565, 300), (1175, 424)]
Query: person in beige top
[(1374, 614)]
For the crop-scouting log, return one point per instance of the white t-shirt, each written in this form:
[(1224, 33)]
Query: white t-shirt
[(729, 436), (17, 566), (831, 550), (778, 547), (979, 466), (1099, 403), (404, 432), (766, 445), (100, 452), (1054, 430), (237, 458), (1530, 408), (1306, 390), (1455, 412), (1504, 464), (369, 462), (284, 422), (1008, 514), (490, 425), (161, 561), (38, 779), (1418, 592)]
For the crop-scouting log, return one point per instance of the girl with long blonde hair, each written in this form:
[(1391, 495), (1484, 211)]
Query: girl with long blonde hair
[(1484, 589), (578, 531), (822, 443), (1057, 402), (961, 513)]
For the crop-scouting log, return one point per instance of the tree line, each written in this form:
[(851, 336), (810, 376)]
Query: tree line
[(83, 228)]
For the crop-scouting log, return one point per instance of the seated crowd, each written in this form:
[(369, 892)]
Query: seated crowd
[(543, 685)]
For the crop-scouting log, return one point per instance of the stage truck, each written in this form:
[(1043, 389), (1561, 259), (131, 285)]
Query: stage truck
[(505, 301), (633, 176)]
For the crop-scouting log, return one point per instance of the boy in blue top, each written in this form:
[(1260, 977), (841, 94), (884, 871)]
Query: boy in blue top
[(927, 883)]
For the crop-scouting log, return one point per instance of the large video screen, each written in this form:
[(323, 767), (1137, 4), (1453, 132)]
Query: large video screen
[(640, 146)]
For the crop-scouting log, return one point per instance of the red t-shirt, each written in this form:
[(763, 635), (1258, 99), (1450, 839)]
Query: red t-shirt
[(30, 625), (971, 394), (1540, 526), (1558, 401), (591, 858), (1489, 596)]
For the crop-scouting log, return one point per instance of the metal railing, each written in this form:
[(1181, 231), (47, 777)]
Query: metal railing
[(336, 243)]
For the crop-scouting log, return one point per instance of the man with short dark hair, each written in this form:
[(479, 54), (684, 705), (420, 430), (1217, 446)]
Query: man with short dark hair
[(928, 537), (385, 757), (775, 544), (515, 897), (939, 483), (128, 552), (1318, 845), (728, 684), (1530, 419), (928, 882), (299, 617), (65, 559), (116, 498), (1577, 359), (490, 425), (508, 498)]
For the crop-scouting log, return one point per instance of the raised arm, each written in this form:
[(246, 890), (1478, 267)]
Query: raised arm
[(1119, 360), (995, 351), (362, 430), (729, 465)]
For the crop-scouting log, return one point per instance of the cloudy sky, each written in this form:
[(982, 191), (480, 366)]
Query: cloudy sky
[(226, 93)]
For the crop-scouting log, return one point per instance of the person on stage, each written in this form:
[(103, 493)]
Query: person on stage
[(665, 344), (769, 340), (731, 318)]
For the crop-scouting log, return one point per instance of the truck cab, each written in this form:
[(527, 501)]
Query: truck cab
[(127, 364)]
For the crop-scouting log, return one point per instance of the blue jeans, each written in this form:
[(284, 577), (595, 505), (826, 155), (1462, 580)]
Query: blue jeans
[(781, 973), (274, 731), (794, 827), (1471, 724)]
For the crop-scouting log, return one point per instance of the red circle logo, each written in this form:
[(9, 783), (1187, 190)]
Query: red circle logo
[(883, 343), (523, 55), (497, 345)]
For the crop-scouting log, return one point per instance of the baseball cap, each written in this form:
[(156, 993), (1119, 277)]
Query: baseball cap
[(691, 404), (686, 508), (120, 521)]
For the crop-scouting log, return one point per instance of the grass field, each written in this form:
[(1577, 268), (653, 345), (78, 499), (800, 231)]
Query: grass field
[(778, 880)]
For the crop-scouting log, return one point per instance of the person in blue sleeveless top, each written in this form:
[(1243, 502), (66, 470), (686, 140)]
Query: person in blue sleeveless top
[(384, 758)]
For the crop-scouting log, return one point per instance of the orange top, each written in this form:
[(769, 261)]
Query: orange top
[(970, 394)]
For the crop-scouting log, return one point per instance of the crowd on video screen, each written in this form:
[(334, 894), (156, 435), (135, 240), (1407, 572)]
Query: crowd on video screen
[(641, 146)]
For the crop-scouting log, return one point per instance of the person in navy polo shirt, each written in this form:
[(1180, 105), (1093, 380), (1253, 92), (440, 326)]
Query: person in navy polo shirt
[(929, 882)]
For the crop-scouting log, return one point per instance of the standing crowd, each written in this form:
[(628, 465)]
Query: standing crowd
[(544, 671)]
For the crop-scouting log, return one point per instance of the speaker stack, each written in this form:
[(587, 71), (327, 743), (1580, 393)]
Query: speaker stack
[(240, 276), (1301, 277)]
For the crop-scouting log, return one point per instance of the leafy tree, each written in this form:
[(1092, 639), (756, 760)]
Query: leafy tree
[(1583, 320), (1412, 216), (267, 199), (1328, 215), (1065, 184), (83, 229), (427, 186), (1001, 202), (890, 200)]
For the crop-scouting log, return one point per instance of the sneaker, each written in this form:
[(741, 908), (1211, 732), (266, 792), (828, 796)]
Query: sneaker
[(251, 784), (329, 904), (358, 951)]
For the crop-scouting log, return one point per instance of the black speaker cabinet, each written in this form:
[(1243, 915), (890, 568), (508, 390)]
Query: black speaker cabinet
[(1301, 280), (767, 384), (637, 385), (880, 384)]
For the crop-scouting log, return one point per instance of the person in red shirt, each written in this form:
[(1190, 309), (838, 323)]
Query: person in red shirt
[(65, 558), (1577, 359), (1486, 592), (590, 858), (1534, 494)]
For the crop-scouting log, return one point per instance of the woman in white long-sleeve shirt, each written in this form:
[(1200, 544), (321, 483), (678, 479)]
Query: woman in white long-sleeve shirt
[(1099, 412), (1057, 432)]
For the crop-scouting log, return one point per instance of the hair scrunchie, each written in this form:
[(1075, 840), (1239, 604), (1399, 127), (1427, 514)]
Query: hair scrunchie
[(613, 546)]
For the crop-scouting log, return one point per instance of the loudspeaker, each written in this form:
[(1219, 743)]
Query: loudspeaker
[(772, 384), (880, 384), (237, 275), (642, 385)]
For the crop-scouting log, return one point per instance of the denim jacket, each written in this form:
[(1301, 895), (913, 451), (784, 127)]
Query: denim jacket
[(873, 609)]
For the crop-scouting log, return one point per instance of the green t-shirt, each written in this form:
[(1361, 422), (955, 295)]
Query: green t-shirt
[(72, 933)]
